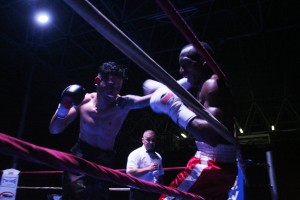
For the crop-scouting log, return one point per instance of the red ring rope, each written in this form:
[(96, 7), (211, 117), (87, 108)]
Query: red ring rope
[(186, 31), (121, 170), (67, 162), (112, 33), (179, 22)]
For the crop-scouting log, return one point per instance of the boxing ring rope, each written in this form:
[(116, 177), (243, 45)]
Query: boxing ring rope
[(179, 22), (113, 34), (66, 162), (166, 169), (120, 170), (187, 32)]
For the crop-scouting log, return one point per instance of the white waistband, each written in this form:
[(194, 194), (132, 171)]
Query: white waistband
[(221, 153)]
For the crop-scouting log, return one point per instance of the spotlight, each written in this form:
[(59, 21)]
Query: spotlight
[(272, 127), (183, 135), (241, 130), (42, 17)]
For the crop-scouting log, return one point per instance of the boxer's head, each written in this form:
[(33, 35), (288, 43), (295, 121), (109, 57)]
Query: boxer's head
[(192, 65)]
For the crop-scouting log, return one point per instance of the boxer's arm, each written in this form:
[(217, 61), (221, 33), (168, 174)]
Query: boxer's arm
[(150, 86), (66, 112), (57, 125), (165, 101), (133, 101)]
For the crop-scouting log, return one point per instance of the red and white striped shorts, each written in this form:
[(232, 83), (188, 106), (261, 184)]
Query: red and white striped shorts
[(210, 173)]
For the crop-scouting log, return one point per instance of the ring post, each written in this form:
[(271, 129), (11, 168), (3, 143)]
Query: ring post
[(9, 183)]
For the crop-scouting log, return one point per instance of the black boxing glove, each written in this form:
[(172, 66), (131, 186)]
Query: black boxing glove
[(73, 95)]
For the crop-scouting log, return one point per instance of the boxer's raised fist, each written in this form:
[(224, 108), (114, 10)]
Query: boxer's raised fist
[(71, 96)]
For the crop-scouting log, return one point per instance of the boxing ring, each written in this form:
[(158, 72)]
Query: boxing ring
[(121, 41), (66, 162), (28, 180)]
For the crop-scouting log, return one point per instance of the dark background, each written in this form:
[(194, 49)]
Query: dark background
[(255, 42)]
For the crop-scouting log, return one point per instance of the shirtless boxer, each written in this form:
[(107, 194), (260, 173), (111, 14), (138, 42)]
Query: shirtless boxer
[(211, 172), (102, 114)]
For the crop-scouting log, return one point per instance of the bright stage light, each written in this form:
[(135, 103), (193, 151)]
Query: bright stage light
[(241, 130), (183, 135), (273, 128), (42, 17)]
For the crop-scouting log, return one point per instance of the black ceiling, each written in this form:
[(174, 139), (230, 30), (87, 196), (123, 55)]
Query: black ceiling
[(256, 45)]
